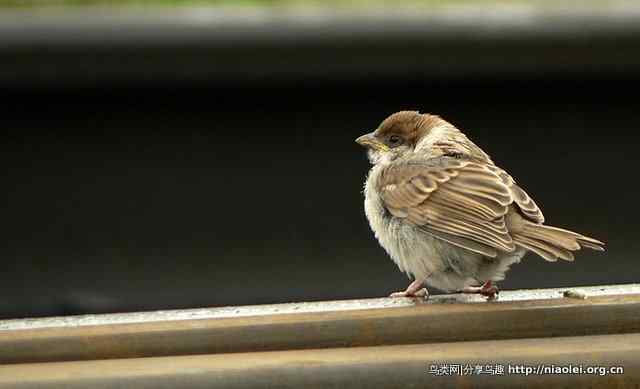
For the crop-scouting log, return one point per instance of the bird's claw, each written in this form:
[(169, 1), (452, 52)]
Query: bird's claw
[(488, 290), (407, 293), (490, 293)]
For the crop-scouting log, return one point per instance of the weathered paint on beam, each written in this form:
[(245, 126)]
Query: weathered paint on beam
[(404, 366), (517, 314), (308, 307)]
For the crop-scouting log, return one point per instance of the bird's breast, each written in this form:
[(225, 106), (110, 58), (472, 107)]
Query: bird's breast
[(413, 250)]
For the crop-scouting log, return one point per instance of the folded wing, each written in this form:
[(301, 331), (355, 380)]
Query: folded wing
[(462, 202)]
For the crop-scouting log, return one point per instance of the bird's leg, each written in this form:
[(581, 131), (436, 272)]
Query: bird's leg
[(487, 289), (415, 289)]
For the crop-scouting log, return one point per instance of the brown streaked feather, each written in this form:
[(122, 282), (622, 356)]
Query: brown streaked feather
[(526, 205), (497, 227), (563, 238), (469, 232), (454, 198), (583, 239), (552, 252), (529, 245), (591, 245), (466, 243), (553, 241)]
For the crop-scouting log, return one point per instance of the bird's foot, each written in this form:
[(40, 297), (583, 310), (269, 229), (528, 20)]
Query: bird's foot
[(488, 290), (413, 290), (407, 293)]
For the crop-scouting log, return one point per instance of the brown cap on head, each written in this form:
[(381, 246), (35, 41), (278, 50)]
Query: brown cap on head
[(400, 128), (403, 123), (411, 125)]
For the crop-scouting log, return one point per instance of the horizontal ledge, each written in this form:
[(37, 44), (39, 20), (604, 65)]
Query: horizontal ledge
[(360, 367), (312, 307), (445, 318), (295, 25), (246, 44)]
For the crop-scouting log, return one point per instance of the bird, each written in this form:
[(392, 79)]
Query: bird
[(446, 214)]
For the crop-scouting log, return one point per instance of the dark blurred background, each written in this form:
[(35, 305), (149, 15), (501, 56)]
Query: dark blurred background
[(215, 169)]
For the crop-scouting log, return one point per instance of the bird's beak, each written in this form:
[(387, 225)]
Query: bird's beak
[(370, 141)]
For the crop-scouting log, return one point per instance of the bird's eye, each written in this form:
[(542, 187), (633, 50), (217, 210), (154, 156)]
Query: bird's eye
[(394, 140)]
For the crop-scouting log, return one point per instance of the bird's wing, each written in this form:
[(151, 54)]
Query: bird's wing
[(460, 201), (526, 205)]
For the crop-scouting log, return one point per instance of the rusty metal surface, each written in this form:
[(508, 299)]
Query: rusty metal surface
[(359, 367), (518, 314)]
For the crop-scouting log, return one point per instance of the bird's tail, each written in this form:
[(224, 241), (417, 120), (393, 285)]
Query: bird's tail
[(552, 243)]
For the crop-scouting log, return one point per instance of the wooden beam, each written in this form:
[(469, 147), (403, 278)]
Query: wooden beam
[(406, 366), (374, 322)]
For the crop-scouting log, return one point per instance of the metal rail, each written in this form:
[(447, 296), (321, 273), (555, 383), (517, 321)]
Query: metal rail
[(405, 366), (372, 322), (355, 343), (88, 46)]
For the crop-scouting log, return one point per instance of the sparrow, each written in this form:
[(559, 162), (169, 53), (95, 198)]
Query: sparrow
[(446, 214)]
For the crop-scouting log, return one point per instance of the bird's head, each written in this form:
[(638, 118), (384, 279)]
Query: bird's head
[(396, 136)]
